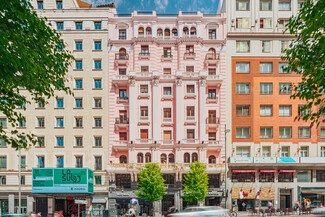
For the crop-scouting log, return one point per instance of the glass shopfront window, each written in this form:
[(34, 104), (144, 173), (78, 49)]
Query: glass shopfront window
[(320, 175), (304, 176), (4, 205), (23, 205), (243, 177), (123, 180), (286, 177), (267, 177), (214, 180)]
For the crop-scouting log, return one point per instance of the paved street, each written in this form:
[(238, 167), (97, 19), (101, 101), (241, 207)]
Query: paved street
[(244, 214)]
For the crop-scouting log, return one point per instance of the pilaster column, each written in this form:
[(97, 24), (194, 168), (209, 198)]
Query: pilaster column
[(154, 29), (202, 103), (198, 29), (179, 112), (132, 109), (135, 29), (29, 204), (11, 203), (180, 29), (155, 109)]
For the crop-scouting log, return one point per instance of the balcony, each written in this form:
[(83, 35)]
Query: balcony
[(213, 144), (120, 144), (214, 79), (212, 99), (144, 55), (144, 74), (122, 99), (144, 120), (190, 74), (167, 120), (212, 122), (191, 141), (190, 95), (190, 55), (120, 80), (166, 58), (190, 120), (121, 123), (121, 59), (212, 58)]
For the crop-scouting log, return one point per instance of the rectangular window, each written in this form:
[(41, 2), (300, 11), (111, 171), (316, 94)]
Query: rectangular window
[(212, 71), (144, 134), (242, 5), (78, 103), (285, 151), (189, 49), (243, 132), (122, 71), (41, 161), (282, 67), (59, 141), (242, 23), (122, 34), (144, 50), (322, 132), (22, 123), (168, 91), (40, 5), (78, 83), (242, 110), (303, 110), (304, 132), (284, 45), (242, 151), (167, 52), (98, 180), (266, 67), (98, 83), (242, 67), (167, 135), (123, 94), (266, 132), (266, 46), (60, 161), (285, 88), (59, 25), (123, 136), (98, 122), (266, 88), (98, 163), (3, 142), (266, 151), (167, 114), (78, 45), (266, 23), (285, 110), (78, 25), (144, 69), (98, 64), (59, 122), (285, 132), (242, 46), (190, 133), (212, 94), (167, 71), (41, 141), (284, 5), (190, 113), (212, 34), (143, 89), (285, 177), (320, 175), (304, 176), (3, 122), (79, 141), (243, 177), (3, 180), (266, 177), (144, 113), (283, 23), (190, 88), (3, 163), (40, 122), (189, 69), (98, 45), (265, 5), (98, 25), (304, 151), (266, 110), (78, 64), (79, 162), (98, 141), (242, 88), (59, 5), (212, 136), (59, 103), (22, 180)]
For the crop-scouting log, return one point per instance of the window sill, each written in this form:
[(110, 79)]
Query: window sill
[(97, 147), (58, 127), (78, 108), (77, 88), (3, 146), (78, 127), (39, 108), (97, 88), (97, 50), (58, 108), (39, 146), (98, 108), (97, 127), (21, 127), (58, 146), (77, 69), (143, 96), (77, 146), (39, 127), (78, 50), (97, 69)]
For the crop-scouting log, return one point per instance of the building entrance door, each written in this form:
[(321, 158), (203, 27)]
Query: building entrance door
[(285, 198), (168, 201)]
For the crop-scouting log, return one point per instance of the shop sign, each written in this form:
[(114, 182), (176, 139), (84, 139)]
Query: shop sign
[(241, 160), (80, 201), (163, 166), (265, 160), (286, 160), (313, 160), (62, 180), (215, 193)]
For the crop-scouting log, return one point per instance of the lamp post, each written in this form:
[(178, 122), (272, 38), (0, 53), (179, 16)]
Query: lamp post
[(226, 167)]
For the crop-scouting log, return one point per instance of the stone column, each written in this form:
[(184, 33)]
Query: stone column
[(155, 109), (198, 29), (50, 205), (179, 112), (154, 29), (30, 204), (132, 98), (11, 203), (180, 29), (135, 29), (202, 115)]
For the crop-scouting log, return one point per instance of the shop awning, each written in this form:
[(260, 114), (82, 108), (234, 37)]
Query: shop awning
[(244, 171), (267, 171), (99, 200), (287, 171)]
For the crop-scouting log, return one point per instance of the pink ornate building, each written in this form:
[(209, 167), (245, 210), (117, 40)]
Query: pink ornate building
[(166, 100)]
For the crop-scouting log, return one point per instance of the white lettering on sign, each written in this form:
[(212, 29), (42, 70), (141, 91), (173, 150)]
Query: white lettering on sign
[(81, 202)]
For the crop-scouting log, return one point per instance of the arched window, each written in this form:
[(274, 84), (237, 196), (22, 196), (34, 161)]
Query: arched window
[(122, 53), (174, 32), (123, 159), (171, 158), (193, 31), (141, 31), (140, 158), (211, 54), (148, 31), (212, 159), (163, 158), (187, 158), (167, 32), (148, 158), (159, 32), (185, 31), (194, 157)]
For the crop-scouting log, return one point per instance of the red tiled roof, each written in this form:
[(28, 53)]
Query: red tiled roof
[(83, 4)]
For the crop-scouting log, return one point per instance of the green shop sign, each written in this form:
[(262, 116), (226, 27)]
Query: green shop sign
[(65, 180)]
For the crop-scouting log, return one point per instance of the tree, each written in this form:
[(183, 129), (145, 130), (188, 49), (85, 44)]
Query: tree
[(151, 183), (32, 58), (306, 56), (196, 183)]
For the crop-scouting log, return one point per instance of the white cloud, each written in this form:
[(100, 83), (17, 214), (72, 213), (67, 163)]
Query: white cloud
[(161, 5)]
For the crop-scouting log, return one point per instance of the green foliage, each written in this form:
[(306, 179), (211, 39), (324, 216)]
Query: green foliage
[(151, 183), (196, 182), (30, 58), (306, 56)]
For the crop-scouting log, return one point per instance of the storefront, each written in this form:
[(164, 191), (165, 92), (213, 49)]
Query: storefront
[(266, 194), (213, 198), (315, 195), (243, 199)]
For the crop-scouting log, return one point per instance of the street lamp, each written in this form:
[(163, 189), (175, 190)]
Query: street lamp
[(226, 131)]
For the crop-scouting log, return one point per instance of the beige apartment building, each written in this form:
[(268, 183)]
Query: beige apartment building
[(74, 129)]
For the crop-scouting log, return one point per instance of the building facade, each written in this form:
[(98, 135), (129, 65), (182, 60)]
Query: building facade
[(166, 101), (271, 156)]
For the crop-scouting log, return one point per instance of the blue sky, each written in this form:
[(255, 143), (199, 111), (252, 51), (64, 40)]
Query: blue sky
[(163, 6)]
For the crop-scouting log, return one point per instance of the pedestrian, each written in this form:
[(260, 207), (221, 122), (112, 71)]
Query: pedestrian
[(320, 205), (269, 204), (243, 205), (297, 207)]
